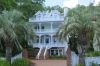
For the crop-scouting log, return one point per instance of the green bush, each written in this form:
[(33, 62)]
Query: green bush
[(2, 54), (56, 56), (21, 62), (93, 54), (79, 65), (4, 63), (93, 64), (89, 49)]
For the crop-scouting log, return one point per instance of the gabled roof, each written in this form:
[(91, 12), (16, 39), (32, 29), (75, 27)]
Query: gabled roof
[(39, 12)]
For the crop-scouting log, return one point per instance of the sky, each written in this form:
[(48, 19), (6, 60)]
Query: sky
[(69, 3)]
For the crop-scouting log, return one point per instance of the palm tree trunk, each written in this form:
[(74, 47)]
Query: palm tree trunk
[(8, 54), (9, 47), (81, 50), (82, 42)]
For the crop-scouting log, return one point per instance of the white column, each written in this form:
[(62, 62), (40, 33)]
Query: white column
[(44, 40), (39, 39), (40, 27), (51, 39), (51, 26)]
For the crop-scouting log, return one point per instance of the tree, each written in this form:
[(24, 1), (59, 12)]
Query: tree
[(30, 7), (80, 23), (55, 7), (12, 27), (7, 4), (27, 7)]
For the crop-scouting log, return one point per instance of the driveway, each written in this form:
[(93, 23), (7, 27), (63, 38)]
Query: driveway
[(50, 62)]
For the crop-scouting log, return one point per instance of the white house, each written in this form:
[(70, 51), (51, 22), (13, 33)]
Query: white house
[(46, 24)]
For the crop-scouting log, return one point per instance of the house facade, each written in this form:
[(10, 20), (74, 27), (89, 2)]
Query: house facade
[(45, 25)]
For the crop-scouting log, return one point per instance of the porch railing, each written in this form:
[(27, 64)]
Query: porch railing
[(38, 55)]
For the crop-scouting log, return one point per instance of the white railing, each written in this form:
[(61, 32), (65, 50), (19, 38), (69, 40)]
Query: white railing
[(88, 60), (57, 44), (44, 30), (38, 55), (45, 52), (13, 58), (45, 19)]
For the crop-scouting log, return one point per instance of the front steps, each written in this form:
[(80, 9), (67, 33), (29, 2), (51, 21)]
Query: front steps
[(42, 53)]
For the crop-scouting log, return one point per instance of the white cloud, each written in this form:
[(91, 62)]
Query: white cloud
[(96, 2), (70, 3)]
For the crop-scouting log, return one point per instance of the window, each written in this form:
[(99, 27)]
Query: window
[(55, 15), (42, 27), (52, 52), (39, 16), (47, 40), (35, 27), (56, 52), (60, 52)]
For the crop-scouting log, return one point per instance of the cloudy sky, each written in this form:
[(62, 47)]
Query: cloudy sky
[(69, 3)]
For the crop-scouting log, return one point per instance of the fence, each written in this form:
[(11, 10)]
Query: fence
[(88, 60), (13, 58)]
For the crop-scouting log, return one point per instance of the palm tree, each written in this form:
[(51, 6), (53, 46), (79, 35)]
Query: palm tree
[(80, 23), (11, 28)]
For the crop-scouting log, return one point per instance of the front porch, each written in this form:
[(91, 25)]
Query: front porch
[(46, 40)]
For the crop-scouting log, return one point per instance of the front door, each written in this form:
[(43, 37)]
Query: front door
[(47, 40)]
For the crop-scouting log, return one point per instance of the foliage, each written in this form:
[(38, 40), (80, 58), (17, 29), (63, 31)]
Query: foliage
[(93, 64), (79, 65), (27, 7), (12, 28), (79, 21), (15, 51), (57, 7), (7, 4), (89, 49), (73, 43), (2, 54), (21, 62), (4, 63), (56, 56), (93, 54)]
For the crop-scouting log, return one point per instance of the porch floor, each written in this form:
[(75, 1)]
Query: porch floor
[(50, 62)]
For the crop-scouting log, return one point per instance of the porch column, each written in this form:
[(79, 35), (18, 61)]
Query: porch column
[(51, 26), (39, 27), (39, 39), (51, 39)]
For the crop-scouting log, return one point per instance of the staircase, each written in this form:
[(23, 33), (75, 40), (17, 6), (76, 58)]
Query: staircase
[(42, 53), (32, 53)]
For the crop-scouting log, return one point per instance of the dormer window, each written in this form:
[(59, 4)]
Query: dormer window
[(39, 16), (55, 15)]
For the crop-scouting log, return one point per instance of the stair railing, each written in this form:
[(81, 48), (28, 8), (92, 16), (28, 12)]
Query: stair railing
[(45, 52), (38, 55)]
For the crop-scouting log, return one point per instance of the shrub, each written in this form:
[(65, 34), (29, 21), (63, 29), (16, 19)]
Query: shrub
[(93, 54), (93, 64), (21, 62), (56, 56), (89, 49), (2, 54), (4, 63)]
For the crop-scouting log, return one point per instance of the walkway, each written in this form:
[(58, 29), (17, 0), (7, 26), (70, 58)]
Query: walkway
[(50, 62)]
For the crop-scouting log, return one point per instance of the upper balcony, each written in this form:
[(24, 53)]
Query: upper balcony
[(46, 19), (45, 30)]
